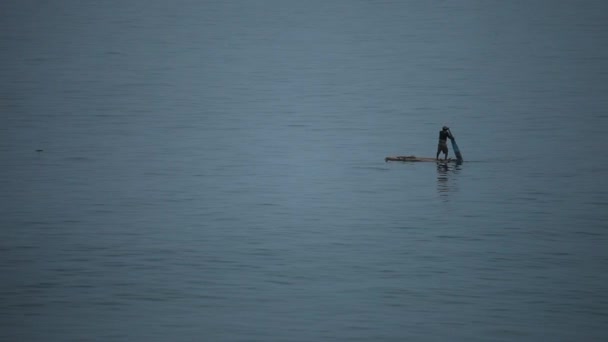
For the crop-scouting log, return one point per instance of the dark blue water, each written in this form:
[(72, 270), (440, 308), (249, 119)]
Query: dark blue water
[(214, 171)]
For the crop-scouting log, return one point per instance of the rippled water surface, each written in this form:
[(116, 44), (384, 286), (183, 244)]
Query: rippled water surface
[(214, 171)]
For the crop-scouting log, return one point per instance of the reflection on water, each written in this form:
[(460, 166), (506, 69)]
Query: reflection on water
[(446, 182)]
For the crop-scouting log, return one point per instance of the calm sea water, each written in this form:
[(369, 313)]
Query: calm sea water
[(214, 171)]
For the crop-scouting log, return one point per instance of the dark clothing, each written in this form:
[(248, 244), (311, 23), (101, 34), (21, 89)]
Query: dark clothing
[(442, 146), (444, 135)]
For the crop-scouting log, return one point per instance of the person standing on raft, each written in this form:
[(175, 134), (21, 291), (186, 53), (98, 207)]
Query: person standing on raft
[(444, 134)]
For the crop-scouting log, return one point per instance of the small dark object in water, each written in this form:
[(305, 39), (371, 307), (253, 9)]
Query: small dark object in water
[(39, 150)]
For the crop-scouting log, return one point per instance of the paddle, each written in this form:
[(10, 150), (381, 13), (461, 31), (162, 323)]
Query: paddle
[(455, 147)]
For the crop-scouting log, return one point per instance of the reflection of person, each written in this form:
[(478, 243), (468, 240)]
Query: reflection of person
[(444, 134), (443, 186)]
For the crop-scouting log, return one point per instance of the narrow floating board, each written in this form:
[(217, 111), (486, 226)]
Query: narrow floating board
[(419, 159)]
